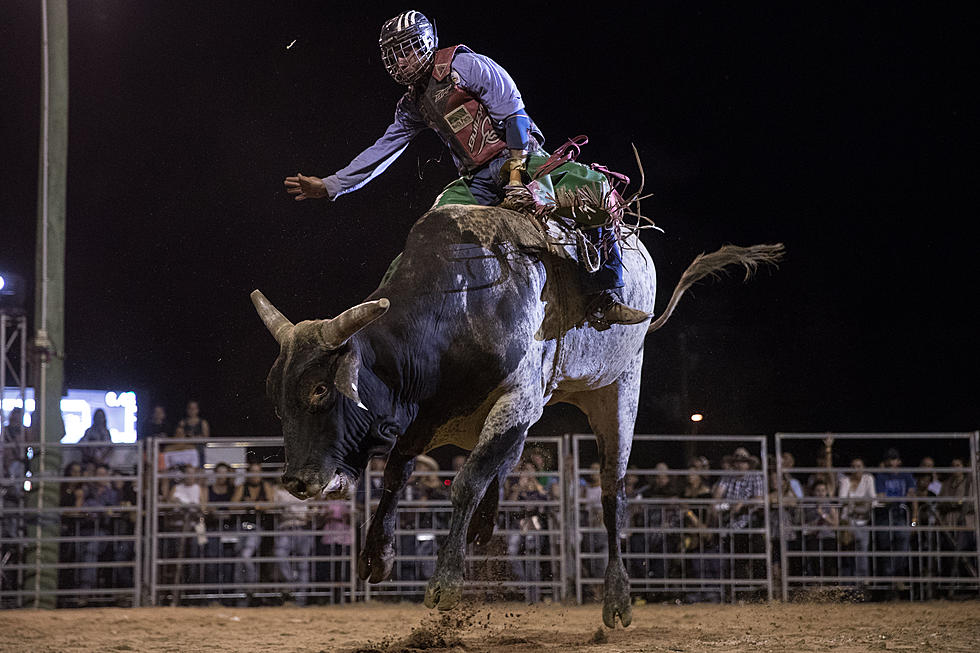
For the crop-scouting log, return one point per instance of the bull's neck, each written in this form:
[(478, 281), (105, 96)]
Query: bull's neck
[(404, 355)]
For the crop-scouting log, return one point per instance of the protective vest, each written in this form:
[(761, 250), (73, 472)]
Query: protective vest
[(459, 115)]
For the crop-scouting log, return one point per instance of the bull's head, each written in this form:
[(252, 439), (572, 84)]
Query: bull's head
[(313, 384)]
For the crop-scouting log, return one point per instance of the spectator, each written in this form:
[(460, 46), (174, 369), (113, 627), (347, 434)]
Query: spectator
[(457, 462), (927, 486), (858, 490), (221, 528), (525, 543), (295, 539), (156, 426), (820, 519), (426, 486), (188, 517), (96, 495), (895, 486), (741, 491), (661, 515), (335, 543), (790, 491), (958, 512), (256, 494), (699, 516), (98, 432), (825, 458), (71, 522), (123, 527), (544, 463), (192, 425)]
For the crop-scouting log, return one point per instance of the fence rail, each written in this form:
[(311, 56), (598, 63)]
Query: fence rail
[(170, 525)]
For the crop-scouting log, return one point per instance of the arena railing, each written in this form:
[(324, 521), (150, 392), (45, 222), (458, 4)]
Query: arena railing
[(707, 547), (266, 547), (525, 558), (72, 539), (921, 546)]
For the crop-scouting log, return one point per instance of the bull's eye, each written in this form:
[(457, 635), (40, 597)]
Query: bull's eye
[(319, 391)]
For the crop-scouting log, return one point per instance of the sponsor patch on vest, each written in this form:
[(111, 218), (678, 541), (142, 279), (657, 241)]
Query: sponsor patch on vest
[(458, 118)]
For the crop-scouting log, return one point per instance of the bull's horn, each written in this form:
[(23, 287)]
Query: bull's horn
[(338, 331), (275, 322)]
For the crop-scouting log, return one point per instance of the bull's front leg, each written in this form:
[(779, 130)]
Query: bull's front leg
[(497, 451), (378, 555)]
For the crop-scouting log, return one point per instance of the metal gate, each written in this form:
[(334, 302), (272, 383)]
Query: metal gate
[(710, 545), (886, 530)]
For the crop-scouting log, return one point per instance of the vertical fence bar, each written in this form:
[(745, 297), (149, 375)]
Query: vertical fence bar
[(975, 464), (767, 538), (783, 531), (576, 543), (154, 526), (138, 526)]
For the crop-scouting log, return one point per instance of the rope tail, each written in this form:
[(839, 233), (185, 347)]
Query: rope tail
[(713, 264)]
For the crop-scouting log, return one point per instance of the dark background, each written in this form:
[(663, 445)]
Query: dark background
[(843, 130)]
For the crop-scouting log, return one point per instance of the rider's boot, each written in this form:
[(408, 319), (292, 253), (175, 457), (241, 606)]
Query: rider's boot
[(608, 308)]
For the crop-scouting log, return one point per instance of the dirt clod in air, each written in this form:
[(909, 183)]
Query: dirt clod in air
[(599, 636)]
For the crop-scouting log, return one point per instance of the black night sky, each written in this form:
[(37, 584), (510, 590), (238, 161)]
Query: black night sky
[(844, 130)]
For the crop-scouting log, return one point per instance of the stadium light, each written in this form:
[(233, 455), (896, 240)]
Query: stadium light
[(697, 417), (11, 293)]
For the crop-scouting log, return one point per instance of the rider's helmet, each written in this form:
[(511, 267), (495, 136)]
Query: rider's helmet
[(408, 44)]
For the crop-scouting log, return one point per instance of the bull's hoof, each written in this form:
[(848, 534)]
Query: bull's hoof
[(443, 593), (616, 599), (375, 563)]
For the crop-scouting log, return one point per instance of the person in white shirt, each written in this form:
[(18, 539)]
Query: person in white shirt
[(858, 488)]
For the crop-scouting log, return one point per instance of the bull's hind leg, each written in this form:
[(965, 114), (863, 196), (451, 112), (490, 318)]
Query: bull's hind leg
[(612, 413), (497, 451), (483, 521)]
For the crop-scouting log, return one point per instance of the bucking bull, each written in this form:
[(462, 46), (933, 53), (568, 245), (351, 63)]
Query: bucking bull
[(478, 329)]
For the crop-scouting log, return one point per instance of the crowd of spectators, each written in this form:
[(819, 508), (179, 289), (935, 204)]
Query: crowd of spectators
[(228, 533)]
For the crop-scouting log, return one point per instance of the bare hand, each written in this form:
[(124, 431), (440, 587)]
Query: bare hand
[(303, 187)]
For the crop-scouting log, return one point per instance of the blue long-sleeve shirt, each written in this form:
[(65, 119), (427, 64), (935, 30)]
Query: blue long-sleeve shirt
[(478, 74)]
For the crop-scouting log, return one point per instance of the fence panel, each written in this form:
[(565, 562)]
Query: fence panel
[(706, 541), (887, 531), (224, 531), (97, 520), (524, 559)]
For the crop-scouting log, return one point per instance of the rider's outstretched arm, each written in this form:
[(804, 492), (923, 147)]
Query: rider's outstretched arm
[(375, 159), (368, 164)]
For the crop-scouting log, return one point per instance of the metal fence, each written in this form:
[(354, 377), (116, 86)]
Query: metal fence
[(168, 524), (705, 541), (893, 529), (525, 558), (82, 523)]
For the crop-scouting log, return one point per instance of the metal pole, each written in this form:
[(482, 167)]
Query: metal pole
[(766, 517), (49, 300), (138, 532), (154, 527), (783, 532), (975, 464), (576, 542)]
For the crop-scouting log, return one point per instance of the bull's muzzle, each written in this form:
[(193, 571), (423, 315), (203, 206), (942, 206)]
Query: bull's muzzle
[(312, 484)]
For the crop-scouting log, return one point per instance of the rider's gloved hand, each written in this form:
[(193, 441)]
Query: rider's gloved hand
[(305, 187), (514, 166)]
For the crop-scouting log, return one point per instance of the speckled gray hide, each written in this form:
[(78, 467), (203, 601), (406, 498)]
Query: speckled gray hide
[(500, 254)]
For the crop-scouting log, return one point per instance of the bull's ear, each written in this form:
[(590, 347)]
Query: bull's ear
[(338, 331), (348, 369)]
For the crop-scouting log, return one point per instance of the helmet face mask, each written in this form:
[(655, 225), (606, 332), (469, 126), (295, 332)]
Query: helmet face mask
[(408, 45)]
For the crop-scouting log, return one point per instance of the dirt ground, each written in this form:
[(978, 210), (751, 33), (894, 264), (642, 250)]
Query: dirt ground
[(504, 628)]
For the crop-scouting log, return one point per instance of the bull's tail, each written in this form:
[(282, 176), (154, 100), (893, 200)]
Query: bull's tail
[(705, 265)]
